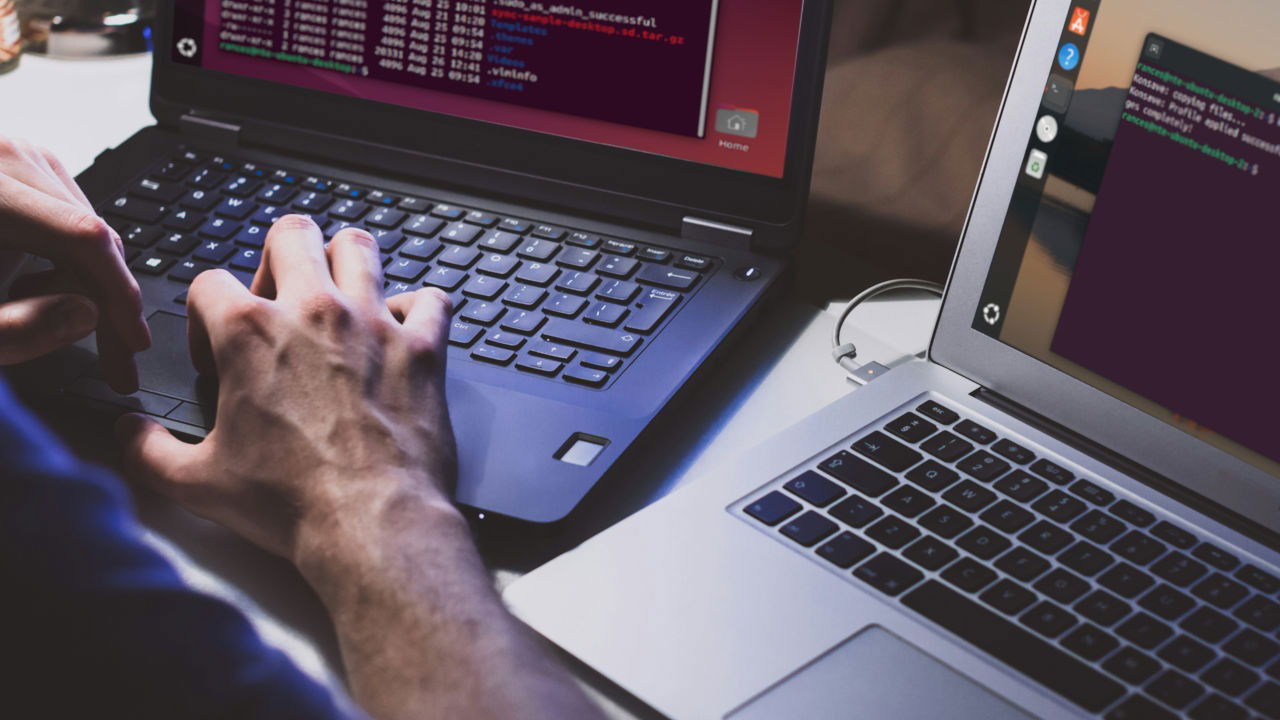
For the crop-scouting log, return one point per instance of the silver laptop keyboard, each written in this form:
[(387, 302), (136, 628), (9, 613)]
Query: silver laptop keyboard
[(1119, 610)]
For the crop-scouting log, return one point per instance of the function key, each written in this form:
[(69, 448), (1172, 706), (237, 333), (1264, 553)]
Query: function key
[(173, 171), (1052, 472), (1216, 556), (317, 184), (483, 219), (911, 427), (653, 254), (1174, 535), (975, 432), (414, 205), (937, 413), (188, 156), (1092, 493), (1127, 511), (693, 262), (516, 226), (254, 170), (449, 212), (772, 508), (378, 197), (619, 247), (1259, 578), (549, 232), (586, 240), (284, 177), (348, 190), (1014, 451)]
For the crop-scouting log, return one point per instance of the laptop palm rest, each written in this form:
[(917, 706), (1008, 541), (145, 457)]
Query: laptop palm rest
[(875, 674)]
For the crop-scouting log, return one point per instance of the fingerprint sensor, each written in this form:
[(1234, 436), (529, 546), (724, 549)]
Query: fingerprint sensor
[(581, 449)]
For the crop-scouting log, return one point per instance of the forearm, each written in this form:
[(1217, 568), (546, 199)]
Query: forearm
[(422, 632)]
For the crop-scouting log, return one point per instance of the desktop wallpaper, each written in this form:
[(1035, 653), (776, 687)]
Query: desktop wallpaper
[(1241, 33)]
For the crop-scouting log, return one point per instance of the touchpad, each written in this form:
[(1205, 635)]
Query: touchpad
[(875, 674), (166, 367)]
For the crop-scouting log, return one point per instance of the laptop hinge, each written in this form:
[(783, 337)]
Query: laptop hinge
[(695, 228), (210, 132)]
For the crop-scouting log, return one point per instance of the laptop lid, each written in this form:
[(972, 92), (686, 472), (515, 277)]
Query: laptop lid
[(1116, 270), (699, 104)]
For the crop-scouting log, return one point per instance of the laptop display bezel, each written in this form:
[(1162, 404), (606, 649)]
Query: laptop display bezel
[(178, 88), (1210, 473)]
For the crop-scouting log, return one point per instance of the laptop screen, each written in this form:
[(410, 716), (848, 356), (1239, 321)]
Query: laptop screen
[(1139, 252), (699, 80)]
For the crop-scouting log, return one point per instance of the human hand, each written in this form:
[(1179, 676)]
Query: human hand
[(44, 213), (331, 404)]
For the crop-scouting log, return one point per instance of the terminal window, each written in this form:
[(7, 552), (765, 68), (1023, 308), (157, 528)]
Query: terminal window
[(643, 63)]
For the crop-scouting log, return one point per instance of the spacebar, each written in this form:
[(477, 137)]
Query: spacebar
[(1014, 646)]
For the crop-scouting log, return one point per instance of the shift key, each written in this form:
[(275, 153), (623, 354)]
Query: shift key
[(591, 337)]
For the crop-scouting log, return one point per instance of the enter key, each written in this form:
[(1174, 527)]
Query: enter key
[(651, 309)]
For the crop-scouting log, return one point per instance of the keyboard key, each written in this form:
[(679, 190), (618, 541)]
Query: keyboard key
[(656, 255), (975, 432), (549, 232), (983, 466), (1021, 486), (1008, 597), (1144, 631), (1048, 619), (141, 237), (1015, 647), (482, 312), (815, 489), (1131, 666), (619, 247), (1167, 602), (425, 226), (1046, 537), (414, 205), (247, 259), (912, 428), (650, 311), (536, 273), (983, 543), (579, 283), (1229, 676), (527, 322), (1098, 527), (1022, 564), (539, 250), (855, 511), (1216, 707), (1259, 578), (464, 334), (616, 266), (858, 474), (312, 202), (586, 376), (1059, 506), (932, 476), (1137, 707), (1137, 548), (151, 264), (1131, 513), (772, 508), (448, 212), (1259, 612), (1092, 493), (1252, 648), (1052, 472), (577, 258), (1086, 558), (214, 252), (483, 287), (187, 270), (481, 218), (667, 277), (969, 496), (1090, 642), (606, 314), (1220, 590), (200, 200), (406, 270), (491, 354), (892, 532), (888, 574), (1209, 625), (177, 244), (1186, 654), (946, 447), (968, 575), (945, 521), (930, 553), (459, 233), (586, 240), (600, 362), (1062, 586), (618, 291), (591, 338), (1174, 535), (1007, 517), (562, 305), (459, 256), (1265, 699), (1175, 689), (1103, 608), (1215, 556), (808, 529), (845, 550), (693, 262), (1178, 569), (143, 212), (445, 278), (937, 413), (908, 501), (235, 208), (219, 228), (1013, 451), (538, 365), (1126, 580)]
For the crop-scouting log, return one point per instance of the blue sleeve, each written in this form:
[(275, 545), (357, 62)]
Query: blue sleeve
[(96, 624)]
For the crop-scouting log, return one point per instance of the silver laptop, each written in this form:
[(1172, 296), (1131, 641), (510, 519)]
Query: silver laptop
[(1070, 510)]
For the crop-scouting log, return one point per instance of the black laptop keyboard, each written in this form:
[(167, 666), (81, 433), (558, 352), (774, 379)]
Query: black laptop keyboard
[(1103, 601), (546, 300)]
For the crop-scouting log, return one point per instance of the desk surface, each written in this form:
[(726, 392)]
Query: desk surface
[(781, 372)]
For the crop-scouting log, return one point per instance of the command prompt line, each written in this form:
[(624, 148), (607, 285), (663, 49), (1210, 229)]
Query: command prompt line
[(1180, 258), (644, 63)]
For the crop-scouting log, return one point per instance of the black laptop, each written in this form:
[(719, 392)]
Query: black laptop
[(607, 190)]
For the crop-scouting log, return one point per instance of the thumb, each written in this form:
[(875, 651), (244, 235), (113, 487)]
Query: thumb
[(37, 326), (154, 456)]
